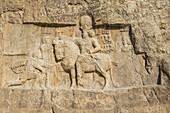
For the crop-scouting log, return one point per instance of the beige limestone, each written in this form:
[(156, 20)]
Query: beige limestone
[(84, 56), (151, 99)]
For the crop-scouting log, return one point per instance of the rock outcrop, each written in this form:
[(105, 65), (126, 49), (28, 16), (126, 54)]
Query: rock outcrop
[(84, 56)]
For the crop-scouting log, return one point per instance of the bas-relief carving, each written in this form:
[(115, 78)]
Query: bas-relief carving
[(137, 56), (90, 59), (41, 61), (85, 56), (86, 53), (19, 67)]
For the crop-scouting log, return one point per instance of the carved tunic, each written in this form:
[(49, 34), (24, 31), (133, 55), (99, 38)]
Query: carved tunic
[(85, 45), (46, 50)]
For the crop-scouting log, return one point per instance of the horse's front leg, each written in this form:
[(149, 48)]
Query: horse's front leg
[(73, 78)]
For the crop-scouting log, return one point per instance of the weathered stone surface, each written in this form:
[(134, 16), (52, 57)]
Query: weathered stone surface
[(22, 100), (151, 99), (84, 56)]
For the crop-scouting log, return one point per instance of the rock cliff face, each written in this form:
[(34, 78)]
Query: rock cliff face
[(84, 56)]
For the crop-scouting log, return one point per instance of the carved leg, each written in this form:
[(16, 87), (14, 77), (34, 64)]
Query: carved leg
[(42, 80), (79, 72), (47, 81), (73, 78), (37, 81)]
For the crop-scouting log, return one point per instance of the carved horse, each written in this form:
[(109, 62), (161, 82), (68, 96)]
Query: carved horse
[(68, 53)]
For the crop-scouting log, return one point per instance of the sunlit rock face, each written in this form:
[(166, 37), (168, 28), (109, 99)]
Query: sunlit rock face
[(84, 56)]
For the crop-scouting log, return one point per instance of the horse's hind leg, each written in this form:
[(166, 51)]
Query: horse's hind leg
[(106, 75), (79, 72), (108, 84)]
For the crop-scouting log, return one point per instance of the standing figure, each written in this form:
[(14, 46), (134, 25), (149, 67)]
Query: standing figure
[(47, 52), (42, 63)]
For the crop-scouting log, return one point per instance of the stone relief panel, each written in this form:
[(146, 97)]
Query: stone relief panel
[(71, 56), (84, 56)]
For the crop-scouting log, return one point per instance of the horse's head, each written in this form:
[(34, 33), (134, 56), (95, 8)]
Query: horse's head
[(65, 49), (59, 49)]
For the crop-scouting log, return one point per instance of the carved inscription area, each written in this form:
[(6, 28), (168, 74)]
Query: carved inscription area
[(105, 39)]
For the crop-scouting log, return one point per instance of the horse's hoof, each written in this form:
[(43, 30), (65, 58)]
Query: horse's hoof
[(74, 87), (42, 87), (49, 87), (107, 88), (104, 89)]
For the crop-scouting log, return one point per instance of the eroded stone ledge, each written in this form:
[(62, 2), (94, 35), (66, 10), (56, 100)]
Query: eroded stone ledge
[(150, 99)]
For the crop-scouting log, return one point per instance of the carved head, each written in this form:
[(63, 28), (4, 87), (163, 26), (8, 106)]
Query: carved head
[(46, 40), (91, 33), (59, 49), (85, 23)]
